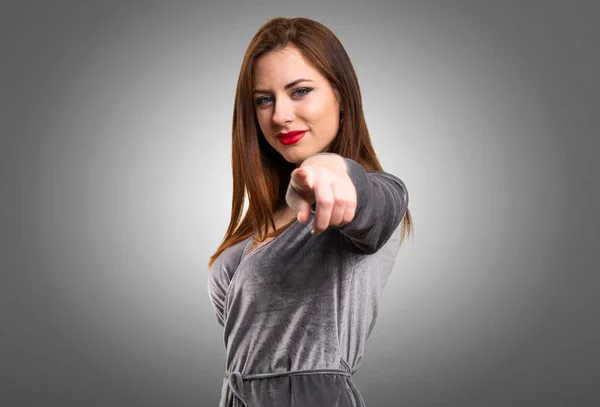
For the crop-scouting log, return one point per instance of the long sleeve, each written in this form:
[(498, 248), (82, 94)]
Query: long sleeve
[(382, 201)]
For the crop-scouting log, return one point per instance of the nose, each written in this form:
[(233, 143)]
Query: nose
[(283, 112)]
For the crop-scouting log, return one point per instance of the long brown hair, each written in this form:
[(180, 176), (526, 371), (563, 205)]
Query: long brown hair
[(259, 171)]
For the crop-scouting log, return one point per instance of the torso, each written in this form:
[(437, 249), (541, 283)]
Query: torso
[(305, 302)]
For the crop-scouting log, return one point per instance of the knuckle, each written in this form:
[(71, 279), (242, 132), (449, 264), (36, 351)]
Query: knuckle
[(326, 202), (339, 201)]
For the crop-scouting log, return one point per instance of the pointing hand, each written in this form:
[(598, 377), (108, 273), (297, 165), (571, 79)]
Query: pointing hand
[(323, 179)]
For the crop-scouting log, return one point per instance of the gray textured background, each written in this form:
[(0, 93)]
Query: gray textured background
[(115, 188)]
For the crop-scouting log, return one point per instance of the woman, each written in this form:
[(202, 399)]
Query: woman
[(297, 279)]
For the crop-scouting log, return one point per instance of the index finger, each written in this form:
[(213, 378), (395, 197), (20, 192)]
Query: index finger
[(299, 204), (301, 180)]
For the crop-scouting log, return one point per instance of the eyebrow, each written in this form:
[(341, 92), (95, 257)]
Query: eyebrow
[(289, 85)]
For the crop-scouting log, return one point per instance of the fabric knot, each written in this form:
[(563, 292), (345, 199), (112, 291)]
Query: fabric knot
[(236, 384), (350, 382), (347, 367)]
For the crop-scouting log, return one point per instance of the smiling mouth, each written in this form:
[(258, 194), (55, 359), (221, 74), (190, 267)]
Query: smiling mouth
[(290, 133), (291, 137)]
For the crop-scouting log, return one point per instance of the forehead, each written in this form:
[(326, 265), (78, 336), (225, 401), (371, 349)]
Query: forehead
[(277, 68)]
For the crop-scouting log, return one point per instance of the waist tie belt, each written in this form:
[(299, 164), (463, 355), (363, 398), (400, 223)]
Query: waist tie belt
[(235, 380)]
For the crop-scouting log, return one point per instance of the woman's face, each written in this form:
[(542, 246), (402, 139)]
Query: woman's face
[(292, 95)]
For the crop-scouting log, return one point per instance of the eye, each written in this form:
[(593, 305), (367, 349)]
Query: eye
[(303, 91), (260, 101), (266, 99)]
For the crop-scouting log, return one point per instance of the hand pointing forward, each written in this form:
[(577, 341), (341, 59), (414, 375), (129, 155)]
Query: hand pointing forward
[(324, 179)]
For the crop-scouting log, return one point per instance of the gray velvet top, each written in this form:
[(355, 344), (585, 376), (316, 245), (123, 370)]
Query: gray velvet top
[(297, 311)]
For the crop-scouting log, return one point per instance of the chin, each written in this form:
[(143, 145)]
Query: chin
[(294, 157), (298, 156)]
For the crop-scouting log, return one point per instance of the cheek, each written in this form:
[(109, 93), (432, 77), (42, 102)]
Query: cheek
[(320, 113), (325, 117), (263, 120)]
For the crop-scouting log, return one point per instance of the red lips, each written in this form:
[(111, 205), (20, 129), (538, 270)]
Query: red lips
[(290, 134), (291, 137)]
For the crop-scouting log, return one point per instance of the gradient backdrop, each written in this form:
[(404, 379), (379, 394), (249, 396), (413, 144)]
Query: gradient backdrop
[(115, 189)]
